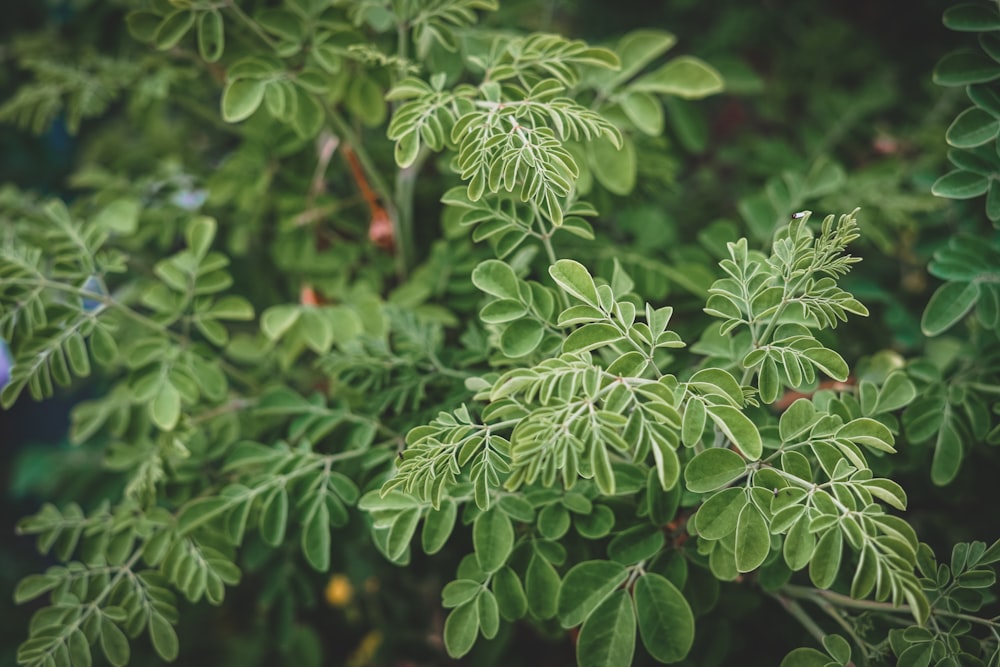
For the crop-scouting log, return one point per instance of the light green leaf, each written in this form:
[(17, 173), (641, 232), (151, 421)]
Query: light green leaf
[(241, 98), (615, 168), (493, 539), (497, 279), (645, 112), (712, 469), (211, 35), (592, 336), (666, 622), (693, 424), (173, 29), (825, 563), (277, 320), (574, 278), (868, 433), (636, 544), (165, 409), (584, 587), (521, 338), (685, 76), (738, 428), (438, 526), (949, 304), (829, 362), (607, 638), (960, 184)]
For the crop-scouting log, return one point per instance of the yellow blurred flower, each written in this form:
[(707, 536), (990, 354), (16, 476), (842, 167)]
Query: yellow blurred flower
[(339, 591)]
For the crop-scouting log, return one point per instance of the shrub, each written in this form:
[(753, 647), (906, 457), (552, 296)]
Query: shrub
[(382, 290)]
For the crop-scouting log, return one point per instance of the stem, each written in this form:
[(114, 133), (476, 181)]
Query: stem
[(373, 174), (251, 24), (800, 614), (840, 600)]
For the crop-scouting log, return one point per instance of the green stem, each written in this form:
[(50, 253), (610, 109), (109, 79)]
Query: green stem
[(800, 614), (251, 24), (840, 600)]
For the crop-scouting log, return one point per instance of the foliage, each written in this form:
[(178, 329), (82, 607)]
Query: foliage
[(293, 370)]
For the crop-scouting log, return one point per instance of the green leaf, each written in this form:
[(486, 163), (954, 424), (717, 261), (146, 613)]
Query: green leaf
[(497, 279), (120, 216), (163, 636), (165, 409), (645, 112), (211, 35), (799, 546), (825, 563), (173, 29), (592, 336), (666, 622), (896, 392), (493, 539), (640, 47), (685, 76), (316, 536), (615, 168), (713, 469), (461, 628), (947, 454), (584, 587), (521, 338), (541, 587), (972, 17), (114, 643), (960, 184), (573, 278), (949, 304), (274, 516), (489, 614), (509, 592), (438, 526), (753, 540), (868, 433), (201, 511), (34, 585), (718, 516), (407, 149), (973, 127), (738, 428), (241, 98), (636, 544), (693, 424), (829, 362), (79, 649), (961, 68), (607, 638), (806, 657)]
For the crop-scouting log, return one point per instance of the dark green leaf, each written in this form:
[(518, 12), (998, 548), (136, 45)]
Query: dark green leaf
[(584, 587), (712, 469), (461, 628), (949, 303), (973, 127), (960, 184), (753, 541), (541, 587), (666, 623), (163, 636), (607, 638)]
